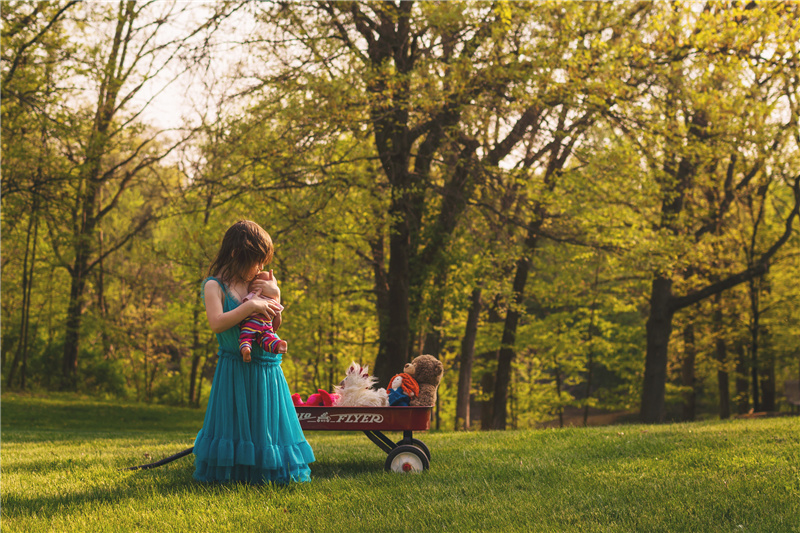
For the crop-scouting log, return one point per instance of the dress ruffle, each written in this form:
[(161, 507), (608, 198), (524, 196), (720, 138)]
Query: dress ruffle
[(250, 432), (224, 460)]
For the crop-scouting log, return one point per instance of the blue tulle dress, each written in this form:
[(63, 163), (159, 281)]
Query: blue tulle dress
[(250, 432)]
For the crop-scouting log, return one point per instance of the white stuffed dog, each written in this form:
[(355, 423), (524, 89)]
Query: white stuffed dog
[(356, 390)]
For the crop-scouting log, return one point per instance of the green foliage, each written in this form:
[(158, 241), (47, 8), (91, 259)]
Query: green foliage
[(608, 99)]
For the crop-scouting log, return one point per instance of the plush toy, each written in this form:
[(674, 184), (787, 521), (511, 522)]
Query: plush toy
[(356, 390), (402, 389), (427, 370), (321, 398)]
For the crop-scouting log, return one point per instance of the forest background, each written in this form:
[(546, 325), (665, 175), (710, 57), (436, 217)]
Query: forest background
[(579, 207)]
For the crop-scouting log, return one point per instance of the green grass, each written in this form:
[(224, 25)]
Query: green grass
[(61, 458)]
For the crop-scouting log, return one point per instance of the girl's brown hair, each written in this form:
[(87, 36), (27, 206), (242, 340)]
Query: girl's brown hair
[(245, 244)]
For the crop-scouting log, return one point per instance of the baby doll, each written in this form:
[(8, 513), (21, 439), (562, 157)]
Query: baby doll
[(259, 328), (402, 389)]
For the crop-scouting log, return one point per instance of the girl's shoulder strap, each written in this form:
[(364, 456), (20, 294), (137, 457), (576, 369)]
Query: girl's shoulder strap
[(219, 282), (212, 278)]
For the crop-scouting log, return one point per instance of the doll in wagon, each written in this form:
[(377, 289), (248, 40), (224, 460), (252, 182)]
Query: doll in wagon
[(402, 389)]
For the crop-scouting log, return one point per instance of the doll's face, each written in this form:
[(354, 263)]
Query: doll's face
[(396, 382)]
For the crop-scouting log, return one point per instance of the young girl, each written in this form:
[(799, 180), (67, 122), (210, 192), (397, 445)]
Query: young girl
[(250, 432)]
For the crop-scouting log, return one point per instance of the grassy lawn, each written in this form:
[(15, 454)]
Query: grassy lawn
[(61, 458)]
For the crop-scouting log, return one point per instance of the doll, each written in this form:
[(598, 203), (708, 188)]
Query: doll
[(402, 389), (260, 328)]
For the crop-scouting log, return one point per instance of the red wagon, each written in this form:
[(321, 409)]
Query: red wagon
[(406, 455)]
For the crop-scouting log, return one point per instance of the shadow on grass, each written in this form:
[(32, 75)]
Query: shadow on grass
[(329, 468), (173, 481), (168, 480)]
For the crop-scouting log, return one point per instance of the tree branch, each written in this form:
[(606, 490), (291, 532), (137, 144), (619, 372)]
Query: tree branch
[(18, 57), (759, 268)]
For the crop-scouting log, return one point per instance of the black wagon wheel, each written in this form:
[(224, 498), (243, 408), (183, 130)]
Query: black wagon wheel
[(418, 443), (407, 459)]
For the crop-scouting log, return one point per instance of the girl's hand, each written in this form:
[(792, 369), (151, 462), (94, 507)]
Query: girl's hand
[(268, 285), (266, 306)]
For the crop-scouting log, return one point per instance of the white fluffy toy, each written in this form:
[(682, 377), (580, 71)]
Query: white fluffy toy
[(356, 390)]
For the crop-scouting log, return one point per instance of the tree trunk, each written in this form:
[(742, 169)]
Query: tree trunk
[(723, 381), (382, 308), (721, 354), (465, 366), (557, 383), (742, 385), (768, 383), (431, 262), (433, 338), (487, 388), (767, 357), (507, 351), (145, 355), (194, 398), (101, 289), (767, 371), (659, 329), (687, 372), (589, 376), (203, 371), (755, 315), (389, 117), (489, 364), (85, 208), (69, 362), (27, 307), (28, 263), (590, 349)]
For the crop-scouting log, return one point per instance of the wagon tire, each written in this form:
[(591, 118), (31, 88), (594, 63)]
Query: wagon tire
[(419, 444), (407, 459)]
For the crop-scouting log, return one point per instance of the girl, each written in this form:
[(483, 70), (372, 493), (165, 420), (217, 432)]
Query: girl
[(250, 432)]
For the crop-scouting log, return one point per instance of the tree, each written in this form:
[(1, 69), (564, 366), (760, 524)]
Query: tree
[(701, 158), (33, 44), (595, 82), (425, 73)]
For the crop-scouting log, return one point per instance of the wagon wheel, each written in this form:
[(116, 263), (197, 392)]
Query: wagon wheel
[(407, 459), (418, 443)]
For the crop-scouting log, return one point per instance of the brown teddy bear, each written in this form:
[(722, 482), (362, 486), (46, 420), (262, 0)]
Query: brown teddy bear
[(427, 370)]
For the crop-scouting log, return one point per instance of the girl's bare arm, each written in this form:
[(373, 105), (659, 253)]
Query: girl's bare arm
[(220, 321)]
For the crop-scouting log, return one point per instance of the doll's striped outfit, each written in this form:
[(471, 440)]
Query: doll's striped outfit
[(257, 328)]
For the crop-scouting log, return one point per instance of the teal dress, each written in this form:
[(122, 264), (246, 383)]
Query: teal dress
[(250, 432)]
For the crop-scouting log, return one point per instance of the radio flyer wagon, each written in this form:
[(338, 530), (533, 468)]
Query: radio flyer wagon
[(404, 456)]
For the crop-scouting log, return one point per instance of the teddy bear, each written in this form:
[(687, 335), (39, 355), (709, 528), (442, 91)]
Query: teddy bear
[(427, 371)]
